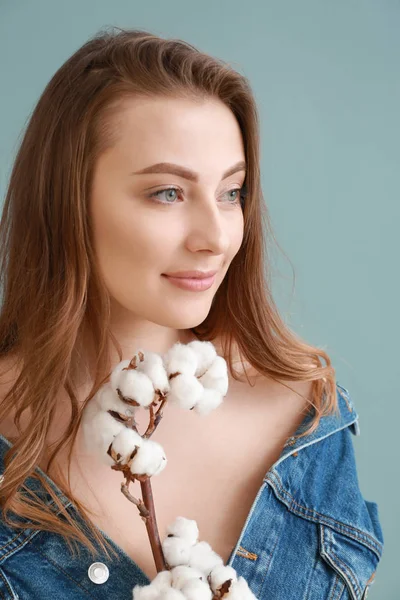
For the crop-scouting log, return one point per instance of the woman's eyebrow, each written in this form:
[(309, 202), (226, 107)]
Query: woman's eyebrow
[(173, 169)]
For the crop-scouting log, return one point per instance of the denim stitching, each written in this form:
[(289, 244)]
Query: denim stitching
[(11, 541), (308, 590), (35, 549), (343, 528), (28, 539), (311, 442), (307, 510), (2, 596), (66, 502), (266, 570), (337, 580), (314, 512), (353, 579), (346, 567), (5, 581), (21, 533)]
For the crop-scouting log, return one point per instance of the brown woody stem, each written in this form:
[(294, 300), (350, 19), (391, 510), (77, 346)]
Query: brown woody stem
[(155, 418), (144, 513), (151, 526), (145, 506)]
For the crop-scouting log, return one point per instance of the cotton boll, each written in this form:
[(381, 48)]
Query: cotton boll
[(180, 358), (108, 399), (205, 353), (125, 443), (137, 386), (195, 589), (115, 374), (186, 391), (162, 580), (157, 588), (171, 594), (220, 574), (203, 557), (216, 377), (147, 592), (149, 460), (99, 432), (240, 590), (184, 528), (154, 368), (209, 401), (182, 574), (176, 551)]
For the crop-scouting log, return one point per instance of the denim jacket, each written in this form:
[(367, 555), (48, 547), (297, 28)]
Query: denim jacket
[(309, 535)]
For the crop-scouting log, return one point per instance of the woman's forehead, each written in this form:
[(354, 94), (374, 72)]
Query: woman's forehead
[(197, 140)]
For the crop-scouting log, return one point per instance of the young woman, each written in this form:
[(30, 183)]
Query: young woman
[(141, 162)]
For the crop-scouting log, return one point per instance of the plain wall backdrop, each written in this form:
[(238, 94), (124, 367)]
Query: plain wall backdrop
[(326, 76)]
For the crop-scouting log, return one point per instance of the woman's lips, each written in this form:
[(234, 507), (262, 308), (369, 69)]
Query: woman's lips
[(194, 285)]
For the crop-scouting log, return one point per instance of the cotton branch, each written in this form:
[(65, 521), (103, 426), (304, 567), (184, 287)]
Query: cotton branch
[(192, 377)]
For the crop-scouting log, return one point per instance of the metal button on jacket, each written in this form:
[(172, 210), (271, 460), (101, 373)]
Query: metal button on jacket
[(98, 572)]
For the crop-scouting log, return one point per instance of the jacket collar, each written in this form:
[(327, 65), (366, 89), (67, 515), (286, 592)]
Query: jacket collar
[(31, 482), (328, 425)]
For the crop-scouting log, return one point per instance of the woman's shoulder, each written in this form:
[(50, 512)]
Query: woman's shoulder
[(318, 472), (311, 521), (317, 482)]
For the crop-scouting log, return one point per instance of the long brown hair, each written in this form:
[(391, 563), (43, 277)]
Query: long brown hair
[(52, 289)]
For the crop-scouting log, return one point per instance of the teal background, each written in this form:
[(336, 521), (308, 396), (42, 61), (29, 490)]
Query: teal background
[(326, 76)]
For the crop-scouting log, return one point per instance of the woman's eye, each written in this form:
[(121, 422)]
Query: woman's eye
[(168, 196), (171, 194), (236, 191)]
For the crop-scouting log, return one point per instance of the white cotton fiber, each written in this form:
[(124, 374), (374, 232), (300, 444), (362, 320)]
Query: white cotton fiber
[(171, 594), (209, 401), (176, 551), (150, 459), (240, 590), (186, 391), (195, 589), (114, 377), (205, 353), (182, 574), (184, 528), (216, 377), (203, 557), (156, 589), (147, 592), (99, 430), (153, 367), (137, 386), (125, 443), (162, 580), (180, 358), (220, 574), (108, 399)]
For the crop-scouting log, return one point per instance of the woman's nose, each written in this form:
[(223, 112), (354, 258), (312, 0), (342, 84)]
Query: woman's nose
[(211, 228)]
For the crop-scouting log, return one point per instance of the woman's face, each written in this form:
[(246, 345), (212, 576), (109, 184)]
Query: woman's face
[(139, 236)]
